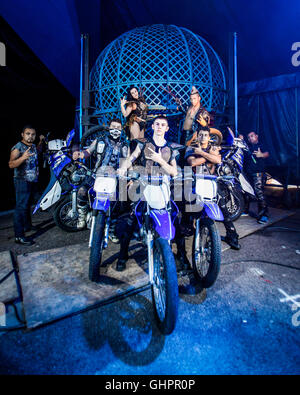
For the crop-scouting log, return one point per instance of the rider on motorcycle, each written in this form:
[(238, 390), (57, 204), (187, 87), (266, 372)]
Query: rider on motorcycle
[(156, 156), (109, 150), (204, 156)]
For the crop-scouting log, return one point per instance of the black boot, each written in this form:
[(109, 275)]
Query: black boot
[(232, 239), (124, 245), (25, 241), (123, 255), (121, 265), (184, 264)]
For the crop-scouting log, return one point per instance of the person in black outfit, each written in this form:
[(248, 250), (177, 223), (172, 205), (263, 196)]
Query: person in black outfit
[(254, 167), (135, 112), (24, 161), (156, 156), (109, 150)]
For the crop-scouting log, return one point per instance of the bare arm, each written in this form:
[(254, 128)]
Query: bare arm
[(127, 163), (213, 156), (16, 160), (171, 168), (193, 161), (260, 154), (130, 107), (85, 153)]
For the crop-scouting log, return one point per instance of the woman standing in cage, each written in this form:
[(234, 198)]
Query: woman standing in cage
[(135, 112)]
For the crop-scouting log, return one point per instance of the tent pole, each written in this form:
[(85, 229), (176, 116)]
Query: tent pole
[(258, 123), (81, 86), (297, 143), (86, 101), (235, 85)]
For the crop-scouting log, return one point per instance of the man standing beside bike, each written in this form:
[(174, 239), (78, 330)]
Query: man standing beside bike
[(254, 168), (204, 157)]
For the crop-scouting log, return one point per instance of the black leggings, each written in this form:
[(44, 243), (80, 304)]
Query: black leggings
[(228, 224)]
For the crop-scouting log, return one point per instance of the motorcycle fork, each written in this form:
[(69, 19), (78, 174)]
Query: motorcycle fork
[(106, 229), (94, 215), (74, 202), (197, 232), (149, 240)]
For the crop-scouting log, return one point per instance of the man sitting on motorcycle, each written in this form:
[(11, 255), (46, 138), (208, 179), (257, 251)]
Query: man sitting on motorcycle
[(109, 150), (204, 156), (157, 156)]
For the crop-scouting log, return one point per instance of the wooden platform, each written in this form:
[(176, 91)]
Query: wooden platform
[(55, 282), (8, 288)]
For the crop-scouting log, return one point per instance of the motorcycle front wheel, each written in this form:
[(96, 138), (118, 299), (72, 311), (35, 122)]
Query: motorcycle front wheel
[(206, 252), (64, 217), (97, 247), (165, 287)]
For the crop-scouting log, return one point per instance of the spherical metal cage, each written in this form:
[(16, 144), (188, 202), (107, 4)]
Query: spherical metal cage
[(154, 57)]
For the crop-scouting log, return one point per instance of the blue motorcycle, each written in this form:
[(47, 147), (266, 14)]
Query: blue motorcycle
[(155, 213), (66, 176), (204, 210), (237, 185)]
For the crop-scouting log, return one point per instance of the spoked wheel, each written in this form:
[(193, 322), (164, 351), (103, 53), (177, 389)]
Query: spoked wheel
[(165, 287), (97, 247), (235, 204), (92, 133), (64, 217), (206, 252)]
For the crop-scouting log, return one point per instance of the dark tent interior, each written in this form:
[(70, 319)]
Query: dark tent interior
[(40, 83)]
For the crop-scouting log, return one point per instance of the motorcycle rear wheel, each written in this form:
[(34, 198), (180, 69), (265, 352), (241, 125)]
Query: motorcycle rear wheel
[(237, 208), (62, 216)]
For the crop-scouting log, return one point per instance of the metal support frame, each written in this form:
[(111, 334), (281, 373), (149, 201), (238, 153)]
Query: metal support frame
[(235, 85), (297, 145), (84, 86), (157, 56)]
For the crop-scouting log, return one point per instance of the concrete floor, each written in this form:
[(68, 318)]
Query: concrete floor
[(247, 323)]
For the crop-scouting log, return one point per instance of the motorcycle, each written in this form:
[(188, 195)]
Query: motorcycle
[(206, 250), (66, 176), (155, 214), (237, 185)]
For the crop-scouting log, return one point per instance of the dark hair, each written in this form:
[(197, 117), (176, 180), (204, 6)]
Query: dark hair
[(252, 131), (203, 128), (161, 117), (116, 120), (129, 95), (27, 127)]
